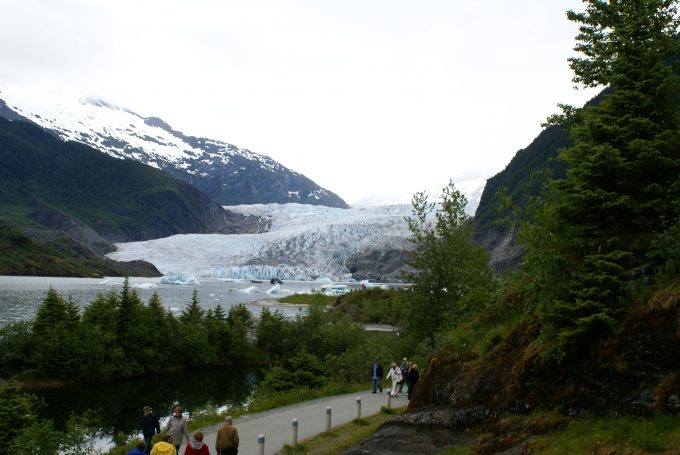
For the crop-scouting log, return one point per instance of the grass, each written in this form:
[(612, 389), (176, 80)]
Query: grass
[(314, 298), (342, 437), (625, 435), (622, 435)]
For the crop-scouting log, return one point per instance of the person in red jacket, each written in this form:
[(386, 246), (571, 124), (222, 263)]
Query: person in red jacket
[(196, 446)]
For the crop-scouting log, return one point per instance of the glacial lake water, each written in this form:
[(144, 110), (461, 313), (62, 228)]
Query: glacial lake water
[(20, 296)]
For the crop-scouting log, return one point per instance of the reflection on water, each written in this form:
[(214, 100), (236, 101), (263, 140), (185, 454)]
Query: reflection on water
[(119, 404)]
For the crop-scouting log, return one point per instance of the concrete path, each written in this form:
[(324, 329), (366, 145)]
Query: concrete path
[(276, 426)]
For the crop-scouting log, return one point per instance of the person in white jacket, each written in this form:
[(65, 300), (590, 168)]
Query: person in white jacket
[(395, 375), (177, 427)]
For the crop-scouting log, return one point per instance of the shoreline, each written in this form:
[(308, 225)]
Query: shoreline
[(274, 302)]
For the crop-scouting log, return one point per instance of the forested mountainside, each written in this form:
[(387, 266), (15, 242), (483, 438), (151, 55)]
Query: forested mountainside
[(520, 180), (50, 188), (228, 174)]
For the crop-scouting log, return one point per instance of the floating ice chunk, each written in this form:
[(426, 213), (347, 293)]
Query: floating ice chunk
[(249, 290), (145, 285), (181, 278), (274, 289), (106, 281), (334, 289)]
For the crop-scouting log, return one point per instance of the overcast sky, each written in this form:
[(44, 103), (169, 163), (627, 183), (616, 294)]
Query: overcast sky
[(362, 96)]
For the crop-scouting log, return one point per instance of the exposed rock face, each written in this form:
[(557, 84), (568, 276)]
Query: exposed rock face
[(502, 246), (61, 225), (377, 265), (395, 438)]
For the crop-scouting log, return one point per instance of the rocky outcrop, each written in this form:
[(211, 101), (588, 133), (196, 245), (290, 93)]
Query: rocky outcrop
[(377, 265)]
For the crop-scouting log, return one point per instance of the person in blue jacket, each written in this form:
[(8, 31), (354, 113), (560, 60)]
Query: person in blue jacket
[(139, 450)]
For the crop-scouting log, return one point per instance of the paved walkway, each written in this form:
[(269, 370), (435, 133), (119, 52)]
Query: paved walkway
[(276, 426)]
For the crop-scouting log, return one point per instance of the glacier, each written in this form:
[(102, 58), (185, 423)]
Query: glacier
[(305, 242)]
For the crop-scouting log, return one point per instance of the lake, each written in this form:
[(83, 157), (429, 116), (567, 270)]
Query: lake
[(21, 296), (118, 405)]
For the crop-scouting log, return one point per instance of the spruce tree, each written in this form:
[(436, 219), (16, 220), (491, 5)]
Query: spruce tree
[(599, 225)]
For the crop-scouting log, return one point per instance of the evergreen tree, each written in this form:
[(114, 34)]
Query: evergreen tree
[(193, 314), (54, 335), (598, 227), (128, 327)]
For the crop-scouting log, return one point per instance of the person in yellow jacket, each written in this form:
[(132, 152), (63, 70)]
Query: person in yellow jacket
[(164, 447)]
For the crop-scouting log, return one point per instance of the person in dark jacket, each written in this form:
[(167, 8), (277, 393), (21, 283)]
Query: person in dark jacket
[(149, 426), (376, 375), (413, 376)]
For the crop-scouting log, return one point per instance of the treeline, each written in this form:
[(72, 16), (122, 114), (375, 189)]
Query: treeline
[(119, 336)]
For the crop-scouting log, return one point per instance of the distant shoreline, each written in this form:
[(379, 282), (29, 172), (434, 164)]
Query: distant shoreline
[(274, 302)]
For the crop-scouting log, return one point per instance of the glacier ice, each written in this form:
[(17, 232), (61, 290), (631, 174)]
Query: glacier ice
[(305, 243), (179, 278)]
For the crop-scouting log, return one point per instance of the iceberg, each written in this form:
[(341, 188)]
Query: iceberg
[(181, 278)]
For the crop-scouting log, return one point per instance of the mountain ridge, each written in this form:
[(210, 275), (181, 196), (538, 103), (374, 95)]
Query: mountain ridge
[(228, 174)]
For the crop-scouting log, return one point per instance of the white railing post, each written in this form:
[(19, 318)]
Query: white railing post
[(388, 404), (328, 419), (358, 408), (260, 444), (295, 433)]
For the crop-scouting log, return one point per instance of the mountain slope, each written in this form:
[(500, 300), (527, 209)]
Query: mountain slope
[(61, 256), (228, 174), (49, 188), (518, 182)]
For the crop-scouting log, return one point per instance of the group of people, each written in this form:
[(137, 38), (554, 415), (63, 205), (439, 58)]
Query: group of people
[(176, 430), (406, 373)]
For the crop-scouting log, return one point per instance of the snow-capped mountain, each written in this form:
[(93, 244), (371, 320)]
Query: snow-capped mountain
[(305, 242), (228, 174)]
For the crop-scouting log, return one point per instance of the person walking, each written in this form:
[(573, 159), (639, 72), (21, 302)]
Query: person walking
[(227, 441), (404, 373), (177, 427), (197, 446), (376, 375), (164, 447), (395, 375), (413, 377), (149, 425)]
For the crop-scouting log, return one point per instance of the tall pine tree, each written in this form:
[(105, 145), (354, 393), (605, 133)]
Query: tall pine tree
[(600, 224)]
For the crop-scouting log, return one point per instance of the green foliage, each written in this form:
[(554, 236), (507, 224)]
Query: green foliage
[(451, 277), (597, 232), (315, 298), (378, 306), (17, 410), (614, 435)]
